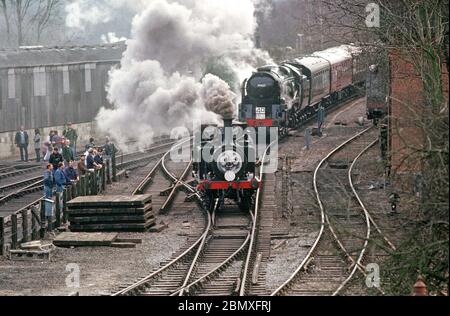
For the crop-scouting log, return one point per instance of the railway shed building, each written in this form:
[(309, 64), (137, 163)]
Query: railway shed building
[(49, 86)]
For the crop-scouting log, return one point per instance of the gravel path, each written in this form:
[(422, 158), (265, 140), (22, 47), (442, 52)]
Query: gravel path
[(101, 269)]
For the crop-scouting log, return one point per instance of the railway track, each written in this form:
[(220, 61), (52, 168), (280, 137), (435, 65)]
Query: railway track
[(384, 232), (23, 193), (163, 181), (215, 261), (346, 225)]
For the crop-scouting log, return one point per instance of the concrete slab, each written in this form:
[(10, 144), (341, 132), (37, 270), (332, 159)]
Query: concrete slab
[(85, 239)]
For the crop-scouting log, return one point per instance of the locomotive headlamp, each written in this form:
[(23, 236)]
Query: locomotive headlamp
[(230, 176)]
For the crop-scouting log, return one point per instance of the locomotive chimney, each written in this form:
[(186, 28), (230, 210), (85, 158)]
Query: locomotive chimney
[(227, 122)]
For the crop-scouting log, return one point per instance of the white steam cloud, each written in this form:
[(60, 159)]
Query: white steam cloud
[(84, 13), (111, 38), (181, 63)]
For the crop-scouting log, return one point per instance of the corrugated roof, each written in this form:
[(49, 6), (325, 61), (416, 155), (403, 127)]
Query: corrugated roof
[(41, 56)]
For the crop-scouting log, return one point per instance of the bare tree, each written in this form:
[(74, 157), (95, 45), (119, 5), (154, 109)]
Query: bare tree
[(29, 18), (415, 31)]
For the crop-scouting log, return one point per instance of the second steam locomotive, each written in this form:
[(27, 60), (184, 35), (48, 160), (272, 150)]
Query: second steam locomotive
[(287, 94)]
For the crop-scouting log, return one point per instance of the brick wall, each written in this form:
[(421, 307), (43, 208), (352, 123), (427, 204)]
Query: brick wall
[(406, 111)]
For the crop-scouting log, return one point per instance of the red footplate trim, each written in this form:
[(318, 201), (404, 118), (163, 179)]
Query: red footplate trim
[(260, 123), (222, 185)]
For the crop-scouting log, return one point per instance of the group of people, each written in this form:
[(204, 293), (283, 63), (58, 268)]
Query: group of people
[(63, 166), (63, 171), (65, 144)]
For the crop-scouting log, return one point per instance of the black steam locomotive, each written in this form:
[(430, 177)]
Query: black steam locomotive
[(286, 95), (225, 165)]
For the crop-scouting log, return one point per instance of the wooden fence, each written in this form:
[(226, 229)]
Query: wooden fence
[(30, 223)]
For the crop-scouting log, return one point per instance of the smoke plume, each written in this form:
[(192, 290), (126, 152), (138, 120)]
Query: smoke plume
[(182, 62)]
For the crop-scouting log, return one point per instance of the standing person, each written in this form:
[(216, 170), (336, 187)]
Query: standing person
[(51, 137), (48, 182), (67, 153), (57, 141), (90, 161), (109, 151), (22, 142), (61, 179), (71, 134), (82, 169), (91, 144), (320, 119), (48, 149), (37, 144), (55, 159), (70, 172), (98, 158), (109, 148)]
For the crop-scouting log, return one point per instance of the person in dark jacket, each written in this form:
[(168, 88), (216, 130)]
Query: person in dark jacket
[(37, 144), (82, 169), (61, 179), (67, 153), (70, 172), (90, 160), (71, 134), (99, 157), (49, 182), (109, 148), (22, 141), (55, 159), (91, 144)]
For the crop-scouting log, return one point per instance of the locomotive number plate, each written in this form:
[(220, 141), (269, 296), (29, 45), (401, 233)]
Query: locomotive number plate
[(260, 113)]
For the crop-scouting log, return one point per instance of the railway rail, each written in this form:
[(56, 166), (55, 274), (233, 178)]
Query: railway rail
[(223, 260), (339, 249), (169, 277), (27, 192), (215, 263)]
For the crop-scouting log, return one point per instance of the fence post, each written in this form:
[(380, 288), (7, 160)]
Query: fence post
[(108, 171), (74, 191), (58, 210), (83, 185), (114, 167), (66, 197), (34, 229), (25, 226), (103, 179), (93, 183), (2, 235), (14, 231), (42, 232)]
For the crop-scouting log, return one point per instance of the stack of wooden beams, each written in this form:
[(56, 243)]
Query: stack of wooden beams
[(111, 213)]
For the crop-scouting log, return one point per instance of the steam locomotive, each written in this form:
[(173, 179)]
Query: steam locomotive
[(282, 96), (225, 166), (286, 95)]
